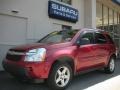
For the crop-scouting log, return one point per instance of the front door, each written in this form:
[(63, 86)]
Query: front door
[(85, 53)]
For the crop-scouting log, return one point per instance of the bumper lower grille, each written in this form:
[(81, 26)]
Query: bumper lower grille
[(15, 70)]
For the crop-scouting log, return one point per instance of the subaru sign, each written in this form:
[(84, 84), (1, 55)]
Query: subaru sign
[(63, 12), (116, 1)]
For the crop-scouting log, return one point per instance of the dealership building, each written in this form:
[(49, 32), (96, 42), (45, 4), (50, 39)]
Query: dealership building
[(26, 21)]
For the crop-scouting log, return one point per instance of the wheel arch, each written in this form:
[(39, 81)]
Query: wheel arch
[(65, 59), (112, 55)]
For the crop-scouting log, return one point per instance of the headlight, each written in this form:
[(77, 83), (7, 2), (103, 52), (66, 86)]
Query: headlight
[(36, 55)]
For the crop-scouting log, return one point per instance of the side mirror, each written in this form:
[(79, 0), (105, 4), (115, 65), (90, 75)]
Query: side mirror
[(83, 41)]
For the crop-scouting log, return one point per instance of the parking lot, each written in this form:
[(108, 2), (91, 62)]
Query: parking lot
[(80, 82)]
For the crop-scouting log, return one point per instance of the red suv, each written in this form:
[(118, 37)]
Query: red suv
[(60, 55)]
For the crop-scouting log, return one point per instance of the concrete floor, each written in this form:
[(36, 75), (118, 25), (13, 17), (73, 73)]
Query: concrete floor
[(89, 81)]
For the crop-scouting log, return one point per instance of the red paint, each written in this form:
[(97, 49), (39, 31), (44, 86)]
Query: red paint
[(84, 56)]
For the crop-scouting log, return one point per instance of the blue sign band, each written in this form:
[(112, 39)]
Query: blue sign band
[(62, 12)]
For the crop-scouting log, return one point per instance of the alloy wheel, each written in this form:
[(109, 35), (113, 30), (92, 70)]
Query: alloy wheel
[(62, 76)]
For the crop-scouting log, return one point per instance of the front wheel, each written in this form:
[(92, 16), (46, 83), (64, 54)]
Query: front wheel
[(111, 66), (60, 76)]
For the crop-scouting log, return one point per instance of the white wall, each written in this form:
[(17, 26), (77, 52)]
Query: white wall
[(36, 11), (90, 13)]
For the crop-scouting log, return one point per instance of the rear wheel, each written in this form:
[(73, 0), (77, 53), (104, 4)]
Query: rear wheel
[(60, 76), (111, 66)]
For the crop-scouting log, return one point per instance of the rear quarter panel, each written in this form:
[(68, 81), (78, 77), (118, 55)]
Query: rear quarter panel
[(111, 48), (112, 51)]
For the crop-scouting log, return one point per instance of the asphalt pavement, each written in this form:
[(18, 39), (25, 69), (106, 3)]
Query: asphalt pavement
[(88, 81)]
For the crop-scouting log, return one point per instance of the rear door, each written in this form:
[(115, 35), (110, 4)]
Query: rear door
[(100, 48)]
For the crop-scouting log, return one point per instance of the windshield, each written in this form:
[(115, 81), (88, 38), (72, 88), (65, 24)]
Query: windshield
[(59, 36)]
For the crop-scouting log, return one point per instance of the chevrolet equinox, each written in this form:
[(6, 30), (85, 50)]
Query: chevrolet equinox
[(60, 55)]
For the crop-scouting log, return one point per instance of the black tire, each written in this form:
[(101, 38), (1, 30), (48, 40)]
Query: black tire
[(110, 69), (51, 81)]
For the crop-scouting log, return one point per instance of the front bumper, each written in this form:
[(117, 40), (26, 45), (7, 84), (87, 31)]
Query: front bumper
[(26, 71), (16, 70)]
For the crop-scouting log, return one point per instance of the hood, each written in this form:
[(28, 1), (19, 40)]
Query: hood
[(28, 47)]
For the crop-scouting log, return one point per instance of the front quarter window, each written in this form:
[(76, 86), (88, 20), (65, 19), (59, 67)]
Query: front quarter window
[(59, 36)]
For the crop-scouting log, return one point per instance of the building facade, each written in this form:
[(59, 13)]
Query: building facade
[(26, 21), (108, 18)]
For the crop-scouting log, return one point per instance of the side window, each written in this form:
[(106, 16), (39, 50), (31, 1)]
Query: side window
[(88, 38), (110, 39), (100, 38)]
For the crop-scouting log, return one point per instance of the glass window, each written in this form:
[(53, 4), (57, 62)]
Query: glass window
[(65, 27), (115, 18), (66, 1), (89, 36), (59, 36), (100, 39), (119, 23), (108, 19), (111, 19), (105, 17), (119, 18), (99, 15), (115, 22)]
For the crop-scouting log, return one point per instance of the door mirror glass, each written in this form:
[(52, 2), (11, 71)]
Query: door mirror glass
[(84, 41)]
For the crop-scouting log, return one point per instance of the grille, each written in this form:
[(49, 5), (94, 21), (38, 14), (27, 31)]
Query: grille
[(14, 57), (17, 50)]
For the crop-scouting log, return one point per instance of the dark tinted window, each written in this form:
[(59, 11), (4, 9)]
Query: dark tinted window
[(89, 36), (100, 38), (110, 39)]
